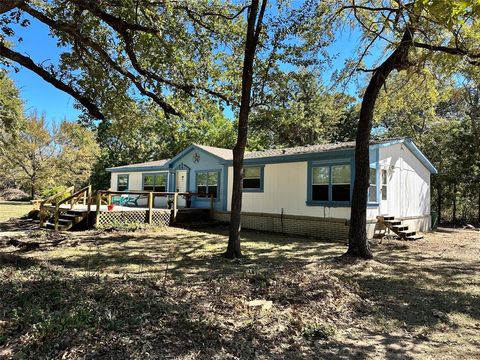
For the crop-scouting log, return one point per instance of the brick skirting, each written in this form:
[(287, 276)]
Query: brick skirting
[(322, 228)]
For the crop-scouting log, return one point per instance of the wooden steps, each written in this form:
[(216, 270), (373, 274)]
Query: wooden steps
[(66, 220), (398, 228)]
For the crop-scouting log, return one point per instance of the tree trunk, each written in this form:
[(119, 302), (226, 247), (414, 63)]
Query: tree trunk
[(478, 220), (398, 60), (439, 201), (454, 199), (253, 32)]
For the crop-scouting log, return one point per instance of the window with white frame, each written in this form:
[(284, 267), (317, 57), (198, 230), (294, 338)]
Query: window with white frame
[(155, 182), (252, 178), (384, 184), (207, 184), (331, 183), (122, 182), (372, 189)]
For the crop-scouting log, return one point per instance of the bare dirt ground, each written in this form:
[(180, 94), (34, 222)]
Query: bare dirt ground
[(166, 293)]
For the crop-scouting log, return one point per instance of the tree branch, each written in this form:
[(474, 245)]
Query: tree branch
[(44, 74), (72, 31), (448, 50), (7, 5)]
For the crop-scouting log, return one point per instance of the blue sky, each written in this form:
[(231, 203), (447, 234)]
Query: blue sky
[(38, 94), (44, 98)]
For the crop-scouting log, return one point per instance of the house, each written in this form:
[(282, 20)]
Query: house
[(301, 190)]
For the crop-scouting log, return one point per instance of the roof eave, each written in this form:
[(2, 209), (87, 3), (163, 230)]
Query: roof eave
[(136, 169), (188, 149)]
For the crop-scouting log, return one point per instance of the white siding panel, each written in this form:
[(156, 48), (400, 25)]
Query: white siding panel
[(409, 182), (285, 188)]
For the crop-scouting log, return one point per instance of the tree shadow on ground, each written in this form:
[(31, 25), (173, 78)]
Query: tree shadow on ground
[(190, 253), (191, 308), (50, 314)]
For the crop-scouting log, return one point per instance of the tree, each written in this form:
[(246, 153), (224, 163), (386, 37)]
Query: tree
[(300, 111), (152, 136), (256, 12), (11, 105), (42, 158), (168, 52), (416, 32)]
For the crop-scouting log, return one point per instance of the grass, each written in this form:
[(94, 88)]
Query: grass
[(166, 293), (13, 209)]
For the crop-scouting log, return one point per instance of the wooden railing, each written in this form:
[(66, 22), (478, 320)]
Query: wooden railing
[(104, 197), (84, 195), (50, 200)]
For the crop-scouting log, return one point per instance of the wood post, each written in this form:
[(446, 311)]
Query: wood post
[(88, 197), (212, 206), (57, 211), (150, 207), (174, 211), (99, 202), (42, 216)]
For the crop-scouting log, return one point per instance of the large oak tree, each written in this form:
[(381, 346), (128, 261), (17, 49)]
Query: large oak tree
[(410, 33)]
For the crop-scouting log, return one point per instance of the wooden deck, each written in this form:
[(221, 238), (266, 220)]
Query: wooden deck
[(80, 211)]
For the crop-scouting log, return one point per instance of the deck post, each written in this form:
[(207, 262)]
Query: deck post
[(97, 215), (42, 216), (88, 197), (57, 210), (150, 208), (174, 211), (212, 206)]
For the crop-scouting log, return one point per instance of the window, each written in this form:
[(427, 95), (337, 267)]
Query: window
[(320, 183), (252, 178), (384, 184), (341, 183), (155, 182), (372, 190), (331, 183), (207, 184), (122, 183)]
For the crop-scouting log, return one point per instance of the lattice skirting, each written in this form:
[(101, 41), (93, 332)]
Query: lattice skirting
[(159, 217)]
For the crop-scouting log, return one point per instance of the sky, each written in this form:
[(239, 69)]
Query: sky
[(39, 95)]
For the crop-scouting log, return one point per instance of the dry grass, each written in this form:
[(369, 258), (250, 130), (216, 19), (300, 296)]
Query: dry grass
[(168, 294), (13, 209)]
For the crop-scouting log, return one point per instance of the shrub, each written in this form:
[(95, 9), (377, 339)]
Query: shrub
[(10, 194), (46, 193)]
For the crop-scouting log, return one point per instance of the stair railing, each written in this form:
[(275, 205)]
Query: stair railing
[(84, 193), (50, 200)]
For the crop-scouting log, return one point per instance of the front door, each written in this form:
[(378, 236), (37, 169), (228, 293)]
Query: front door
[(181, 185)]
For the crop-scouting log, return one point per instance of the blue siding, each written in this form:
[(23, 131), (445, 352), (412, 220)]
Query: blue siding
[(207, 162)]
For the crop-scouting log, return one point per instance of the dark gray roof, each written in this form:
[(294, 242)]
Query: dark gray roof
[(227, 154), (309, 149), (297, 150)]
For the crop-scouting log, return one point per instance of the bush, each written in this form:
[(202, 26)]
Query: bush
[(10, 194), (46, 193)]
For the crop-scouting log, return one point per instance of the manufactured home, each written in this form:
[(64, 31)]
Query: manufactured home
[(303, 190)]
